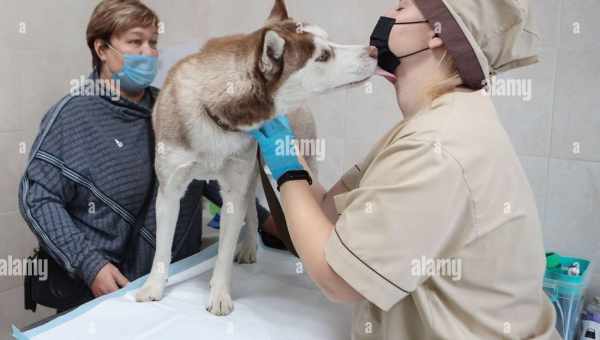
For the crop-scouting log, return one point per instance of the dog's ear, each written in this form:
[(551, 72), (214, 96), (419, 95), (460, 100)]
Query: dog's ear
[(273, 48), (279, 11)]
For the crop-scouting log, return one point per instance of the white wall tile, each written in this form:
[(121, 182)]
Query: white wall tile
[(579, 24), (331, 167), (9, 26), (12, 167), (48, 24), (330, 16), (330, 112), (43, 82), (372, 110), (572, 213), (594, 287), (347, 22), (183, 20), (225, 17), (80, 61), (10, 104), (356, 149), (536, 169), (527, 117), (547, 15), (576, 124)]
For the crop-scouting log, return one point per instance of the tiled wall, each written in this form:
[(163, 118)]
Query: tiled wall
[(36, 66), (557, 133), (37, 38)]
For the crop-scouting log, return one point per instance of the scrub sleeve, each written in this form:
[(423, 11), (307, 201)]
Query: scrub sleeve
[(389, 219)]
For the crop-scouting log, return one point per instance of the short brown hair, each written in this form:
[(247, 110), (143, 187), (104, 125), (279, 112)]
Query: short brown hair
[(116, 17)]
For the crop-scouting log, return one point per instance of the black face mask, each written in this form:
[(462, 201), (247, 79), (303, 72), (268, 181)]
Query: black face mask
[(386, 59)]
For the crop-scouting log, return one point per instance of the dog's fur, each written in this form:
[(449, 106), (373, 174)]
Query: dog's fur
[(244, 80)]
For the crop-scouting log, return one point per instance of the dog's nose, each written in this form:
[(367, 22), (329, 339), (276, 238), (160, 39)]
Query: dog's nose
[(373, 52)]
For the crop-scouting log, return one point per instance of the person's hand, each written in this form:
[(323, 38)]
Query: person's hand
[(109, 279), (277, 145)]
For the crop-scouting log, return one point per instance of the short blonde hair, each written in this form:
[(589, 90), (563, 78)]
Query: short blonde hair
[(443, 84), (116, 17)]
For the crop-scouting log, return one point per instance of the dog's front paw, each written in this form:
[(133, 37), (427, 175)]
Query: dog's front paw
[(246, 253), (150, 291), (219, 302)]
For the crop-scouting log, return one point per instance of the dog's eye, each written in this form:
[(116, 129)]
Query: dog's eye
[(324, 57)]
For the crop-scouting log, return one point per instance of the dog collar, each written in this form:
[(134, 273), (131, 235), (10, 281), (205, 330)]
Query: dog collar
[(220, 122)]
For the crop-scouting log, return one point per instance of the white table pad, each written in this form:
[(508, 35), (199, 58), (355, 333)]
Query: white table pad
[(273, 299)]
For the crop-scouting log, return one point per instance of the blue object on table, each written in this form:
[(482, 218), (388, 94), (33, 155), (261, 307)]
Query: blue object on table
[(592, 312), (215, 222)]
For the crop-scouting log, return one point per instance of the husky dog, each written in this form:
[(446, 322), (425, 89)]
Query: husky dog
[(210, 101)]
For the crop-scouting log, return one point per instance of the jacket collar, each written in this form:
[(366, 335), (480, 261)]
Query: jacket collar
[(126, 106)]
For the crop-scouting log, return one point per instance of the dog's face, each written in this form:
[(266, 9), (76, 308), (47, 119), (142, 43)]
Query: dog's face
[(301, 62)]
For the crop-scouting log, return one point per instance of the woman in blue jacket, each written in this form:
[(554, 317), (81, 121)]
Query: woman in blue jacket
[(90, 170)]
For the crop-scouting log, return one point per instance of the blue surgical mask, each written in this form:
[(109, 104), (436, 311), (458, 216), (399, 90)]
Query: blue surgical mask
[(138, 71)]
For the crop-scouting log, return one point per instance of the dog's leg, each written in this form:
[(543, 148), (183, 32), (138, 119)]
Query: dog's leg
[(233, 191), (167, 212), (246, 252)]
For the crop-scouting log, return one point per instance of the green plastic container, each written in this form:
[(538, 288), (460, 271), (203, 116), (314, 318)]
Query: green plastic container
[(566, 291)]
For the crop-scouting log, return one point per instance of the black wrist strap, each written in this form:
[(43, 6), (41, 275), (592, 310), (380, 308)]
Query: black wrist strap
[(294, 175)]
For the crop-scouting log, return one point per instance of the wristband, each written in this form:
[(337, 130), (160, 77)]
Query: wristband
[(294, 175)]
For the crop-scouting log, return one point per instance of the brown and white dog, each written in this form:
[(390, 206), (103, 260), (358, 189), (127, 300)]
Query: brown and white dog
[(208, 103)]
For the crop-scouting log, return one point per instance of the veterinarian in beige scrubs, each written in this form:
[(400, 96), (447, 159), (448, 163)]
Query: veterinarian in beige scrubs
[(435, 234)]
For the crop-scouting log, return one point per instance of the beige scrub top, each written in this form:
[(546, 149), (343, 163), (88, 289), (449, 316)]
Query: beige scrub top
[(439, 231)]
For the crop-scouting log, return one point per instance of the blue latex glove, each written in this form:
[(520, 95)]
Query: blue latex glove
[(275, 141)]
